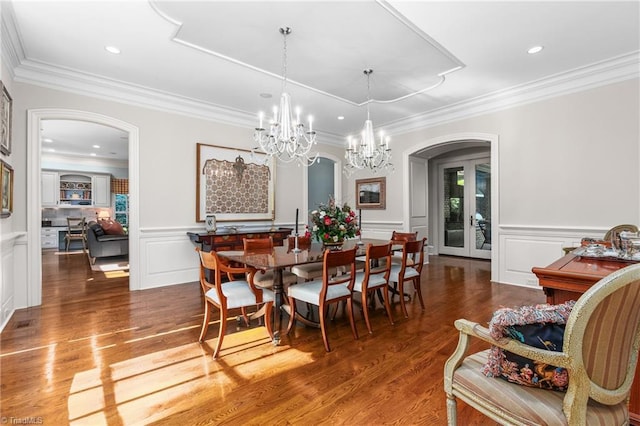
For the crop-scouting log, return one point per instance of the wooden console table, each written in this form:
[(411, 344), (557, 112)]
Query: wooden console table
[(229, 239), (570, 276)]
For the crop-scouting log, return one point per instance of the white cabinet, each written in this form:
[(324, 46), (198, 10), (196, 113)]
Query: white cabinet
[(101, 190), (49, 237), (50, 188), (75, 189)]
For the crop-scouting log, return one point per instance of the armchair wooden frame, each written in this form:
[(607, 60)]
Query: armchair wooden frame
[(600, 352), (229, 295)]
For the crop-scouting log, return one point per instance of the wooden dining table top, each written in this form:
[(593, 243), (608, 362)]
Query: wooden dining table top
[(283, 256)]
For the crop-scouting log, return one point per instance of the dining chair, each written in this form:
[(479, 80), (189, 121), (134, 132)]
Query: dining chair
[(599, 351), (375, 276), (404, 236), (409, 269), (327, 290), (76, 230), (264, 279), (231, 294), (306, 271), (398, 238)]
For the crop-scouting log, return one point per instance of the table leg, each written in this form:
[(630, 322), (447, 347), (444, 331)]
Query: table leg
[(395, 292), (278, 291)]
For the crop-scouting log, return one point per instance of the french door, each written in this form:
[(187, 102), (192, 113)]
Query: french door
[(464, 216)]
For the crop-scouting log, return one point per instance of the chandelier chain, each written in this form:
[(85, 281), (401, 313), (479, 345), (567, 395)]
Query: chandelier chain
[(285, 32), (285, 137), (365, 153)]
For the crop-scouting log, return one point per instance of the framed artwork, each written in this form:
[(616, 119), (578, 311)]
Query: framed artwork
[(371, 193), (6, 106), (234, 184), (6, 189)]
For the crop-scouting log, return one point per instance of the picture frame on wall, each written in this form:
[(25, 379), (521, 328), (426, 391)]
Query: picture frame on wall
[(371, 193), (234, 184), (6, 189), (6, 110)]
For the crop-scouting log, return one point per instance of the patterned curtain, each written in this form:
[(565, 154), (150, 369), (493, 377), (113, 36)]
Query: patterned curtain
[(119, 186)]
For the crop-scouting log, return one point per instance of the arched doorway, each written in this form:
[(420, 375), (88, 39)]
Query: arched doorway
[(34, 191), (438, 146)]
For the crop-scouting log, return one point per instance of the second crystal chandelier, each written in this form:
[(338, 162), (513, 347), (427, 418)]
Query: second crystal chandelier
[(366, 153), (286, 138)]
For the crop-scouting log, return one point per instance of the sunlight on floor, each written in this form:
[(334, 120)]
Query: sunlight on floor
[(152, 387), (116, 274)]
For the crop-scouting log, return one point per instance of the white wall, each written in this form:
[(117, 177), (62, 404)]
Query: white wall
[(568, 167)]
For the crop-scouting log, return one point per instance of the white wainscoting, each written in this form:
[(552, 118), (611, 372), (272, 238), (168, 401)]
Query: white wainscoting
[(380, 229), (523, 247), (13, 288), (167, 257)]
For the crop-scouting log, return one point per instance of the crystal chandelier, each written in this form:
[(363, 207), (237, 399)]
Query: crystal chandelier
[(365, 154), (286, 138)]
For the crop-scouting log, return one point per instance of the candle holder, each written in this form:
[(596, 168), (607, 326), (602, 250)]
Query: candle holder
[(295, 246)]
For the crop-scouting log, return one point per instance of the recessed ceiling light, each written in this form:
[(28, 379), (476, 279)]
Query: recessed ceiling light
[(535, 49), (93, 154), (341, 117), (112, 49), (96, 146), (266, 95), (47, 140), (51, 150)]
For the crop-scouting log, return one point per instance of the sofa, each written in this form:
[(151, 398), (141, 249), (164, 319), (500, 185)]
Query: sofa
[(103, 244)]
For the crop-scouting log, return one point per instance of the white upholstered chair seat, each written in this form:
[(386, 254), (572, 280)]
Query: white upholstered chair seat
[(238, 294), (310, 271), (265, 280), (374, 281), (395, 272), (310, 292)]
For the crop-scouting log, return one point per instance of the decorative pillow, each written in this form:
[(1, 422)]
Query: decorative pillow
[(541, 326), (97, 229), (111, 227)]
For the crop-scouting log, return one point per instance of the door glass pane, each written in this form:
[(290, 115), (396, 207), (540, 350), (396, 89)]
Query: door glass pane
[(454, 207), (483, 206)]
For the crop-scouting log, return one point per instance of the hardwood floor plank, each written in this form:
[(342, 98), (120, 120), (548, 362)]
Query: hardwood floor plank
[(95, 353)]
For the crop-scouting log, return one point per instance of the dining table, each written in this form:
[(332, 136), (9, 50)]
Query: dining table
[(278, 259)]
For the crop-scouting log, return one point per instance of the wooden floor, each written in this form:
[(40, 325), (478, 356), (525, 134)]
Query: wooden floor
[(95, 353)]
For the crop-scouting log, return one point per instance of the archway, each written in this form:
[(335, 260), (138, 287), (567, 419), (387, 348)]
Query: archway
[(453, 142), (34, 192)]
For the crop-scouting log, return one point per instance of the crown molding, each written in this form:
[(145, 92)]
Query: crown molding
[(624, 67), (12, 49), (28, 71)]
